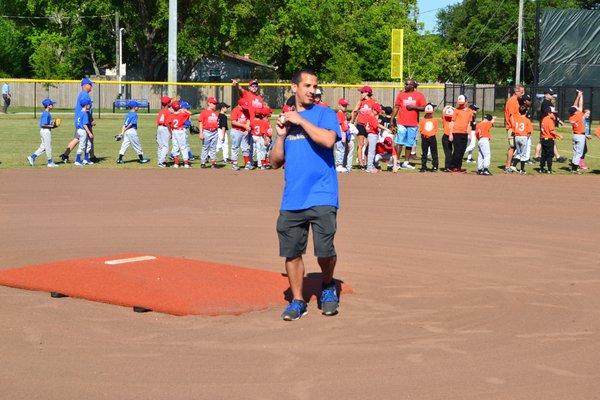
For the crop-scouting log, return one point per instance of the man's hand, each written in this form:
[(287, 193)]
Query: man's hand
[(93, 122), (281, 131), (410, 107), (293, 117)]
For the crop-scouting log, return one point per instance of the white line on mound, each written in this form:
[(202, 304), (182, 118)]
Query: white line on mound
[(129, 260)]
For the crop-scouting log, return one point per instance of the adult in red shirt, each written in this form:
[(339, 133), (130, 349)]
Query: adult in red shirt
[(240, 138), (252, 95), (407, 106), (208, 124), (361, 112)]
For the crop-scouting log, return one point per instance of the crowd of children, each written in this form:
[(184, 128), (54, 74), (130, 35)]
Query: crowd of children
[(378, 133)]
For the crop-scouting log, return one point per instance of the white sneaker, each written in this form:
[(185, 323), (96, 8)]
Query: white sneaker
[(77, 163), (86, 162), (175, 165), (406, 165), (513, 168), (30, 160), (186, 166), (470, 161), (52, 165), (339, 168)]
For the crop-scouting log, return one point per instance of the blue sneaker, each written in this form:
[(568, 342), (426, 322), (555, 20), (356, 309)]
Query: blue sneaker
[(329, 299), (295, 310)]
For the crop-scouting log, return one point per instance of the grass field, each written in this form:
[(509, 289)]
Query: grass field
[(19, 137)]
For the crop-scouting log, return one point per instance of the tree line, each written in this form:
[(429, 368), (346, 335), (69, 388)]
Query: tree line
[(346, 41)]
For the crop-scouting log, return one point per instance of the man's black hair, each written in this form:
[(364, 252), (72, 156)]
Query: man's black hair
[(298, 75)]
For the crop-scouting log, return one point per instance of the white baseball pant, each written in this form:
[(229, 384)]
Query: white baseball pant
[(261, 149), (223, 143), (209, 145), (84, 144), (180, 143), (162, 140), (46, 145), (578, 146), (521, 148), (472, 142), (484, 157), (130, 137)]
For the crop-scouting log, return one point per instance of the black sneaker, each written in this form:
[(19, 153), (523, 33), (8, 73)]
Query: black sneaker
[(295, 310), (423, 170), (64, 159), (542, 171), (329, 299), (143, 160), (561, 159), (537, 159), (120, 161)]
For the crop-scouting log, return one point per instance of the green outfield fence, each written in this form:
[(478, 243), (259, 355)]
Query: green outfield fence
[(28, 93)]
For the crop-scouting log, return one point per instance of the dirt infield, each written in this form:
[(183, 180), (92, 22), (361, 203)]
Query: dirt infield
[(466, 287)]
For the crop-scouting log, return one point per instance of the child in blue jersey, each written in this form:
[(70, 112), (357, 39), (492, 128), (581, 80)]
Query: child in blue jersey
[(129, 134), (46, 124), (83, 133)]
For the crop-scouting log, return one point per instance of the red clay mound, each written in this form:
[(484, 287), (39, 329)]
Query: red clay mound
[(164, 284)]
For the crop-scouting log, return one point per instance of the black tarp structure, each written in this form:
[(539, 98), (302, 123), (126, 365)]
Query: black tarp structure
[(569, 48)]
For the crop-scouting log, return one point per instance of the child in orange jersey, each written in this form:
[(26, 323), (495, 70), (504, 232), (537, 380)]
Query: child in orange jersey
[(547, 138), (577, 121), (522, 128), (428, 128), (447, 114), (483, 134)]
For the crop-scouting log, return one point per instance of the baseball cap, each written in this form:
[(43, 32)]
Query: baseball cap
[(185, 105), (377, 108), (253, 82), (47, 102), (132, 103), (549, 91), (448, 111), (388, 110), (211, 100), (85, 102), (572, 110), (222, 105), (461, 99), (474, 107), (86, 81), (489, 117), (411, 82), (244, 104), (165, 100), (366, 89), (387, 140), (175, 105), (428, 109), (343, 102), (318, 92)]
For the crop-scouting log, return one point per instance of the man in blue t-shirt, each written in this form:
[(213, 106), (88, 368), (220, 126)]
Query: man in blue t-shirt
[(306, 135)]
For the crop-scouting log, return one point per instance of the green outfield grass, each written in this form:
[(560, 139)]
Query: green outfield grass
[(19, 137)]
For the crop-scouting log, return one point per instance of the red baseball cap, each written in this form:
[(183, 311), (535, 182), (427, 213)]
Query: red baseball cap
[(343, 102), (366, 89), (211, 100), (175, 105), (266, 110), (244, 104), (253, 82), (165, 100), (377, 108)]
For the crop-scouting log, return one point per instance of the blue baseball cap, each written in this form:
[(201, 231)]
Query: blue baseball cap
[(86, 81), (185, 105), (132, 103), (85, 102), (47, 102)]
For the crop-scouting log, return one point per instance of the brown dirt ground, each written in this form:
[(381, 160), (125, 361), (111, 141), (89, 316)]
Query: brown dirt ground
[(466, 287)]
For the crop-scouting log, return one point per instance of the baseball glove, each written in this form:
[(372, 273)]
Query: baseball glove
[(194, 130), (57, 122), (118, 137)]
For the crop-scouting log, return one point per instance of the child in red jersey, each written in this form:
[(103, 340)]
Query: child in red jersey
[(162, 130), (208, 124), (261, 130), (176, 123), (386, 151), (372, 127), (361, 112), (240, 135)]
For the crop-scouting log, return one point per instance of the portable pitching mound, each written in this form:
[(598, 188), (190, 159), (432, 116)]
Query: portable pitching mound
[(167, 285)]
